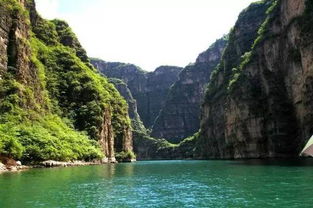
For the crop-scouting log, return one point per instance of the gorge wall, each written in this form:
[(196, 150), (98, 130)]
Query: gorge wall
[(168, 99), (180, 116), (259, 101), (145, 146), (53, 104), (149, 89), (255, 86)]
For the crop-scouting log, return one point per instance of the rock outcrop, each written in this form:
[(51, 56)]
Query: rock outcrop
[(180, 115), (15, 52), (149, 89), (107, 137), (259, 101)]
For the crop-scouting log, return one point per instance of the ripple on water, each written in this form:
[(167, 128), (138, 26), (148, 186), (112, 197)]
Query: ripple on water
[(161, 184)]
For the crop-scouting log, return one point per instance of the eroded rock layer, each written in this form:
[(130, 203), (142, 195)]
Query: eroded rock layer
[(259, 102)]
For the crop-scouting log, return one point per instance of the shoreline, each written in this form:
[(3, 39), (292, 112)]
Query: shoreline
[(56, 164), (51, 164)]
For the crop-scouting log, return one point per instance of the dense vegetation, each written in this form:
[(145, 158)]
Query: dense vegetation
[(56, 110)]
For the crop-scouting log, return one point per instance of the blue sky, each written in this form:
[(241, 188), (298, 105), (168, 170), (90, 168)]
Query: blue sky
[(148, 33)]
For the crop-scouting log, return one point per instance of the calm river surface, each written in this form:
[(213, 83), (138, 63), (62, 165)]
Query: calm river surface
[(163, 184)]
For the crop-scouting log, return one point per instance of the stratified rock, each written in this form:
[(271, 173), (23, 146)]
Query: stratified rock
[(259, 102), (180, 115)]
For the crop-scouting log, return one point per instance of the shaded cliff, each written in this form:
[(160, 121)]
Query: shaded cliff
[(180, 115), (53, 105), (145, 146), (132, 104), (259, 101), (149, 89)]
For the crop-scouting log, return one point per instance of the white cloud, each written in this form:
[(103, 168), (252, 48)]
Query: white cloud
[(148, 33)]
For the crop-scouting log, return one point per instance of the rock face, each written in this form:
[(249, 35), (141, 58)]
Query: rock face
[(107, 137), (149, 89), (180, 115), (14, 29), (259, 101), (132, 104)]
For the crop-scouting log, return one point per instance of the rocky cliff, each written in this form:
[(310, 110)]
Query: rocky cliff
[(149, 89), (50, 94), (132, 104), (259, 101), (180, 115), (145, 146)]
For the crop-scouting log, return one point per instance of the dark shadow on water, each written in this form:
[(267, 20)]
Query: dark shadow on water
[(290, 162)]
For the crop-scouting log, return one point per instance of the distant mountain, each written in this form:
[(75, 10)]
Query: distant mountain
[(180, 116), (149, 89)]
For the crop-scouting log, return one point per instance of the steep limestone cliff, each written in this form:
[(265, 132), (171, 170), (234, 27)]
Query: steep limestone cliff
[(259, 101), (149, 89), (180, 115), (50, 94), (145, 146), (15, 51)]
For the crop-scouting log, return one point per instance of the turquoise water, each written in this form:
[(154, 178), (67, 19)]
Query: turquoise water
[(163, 184)]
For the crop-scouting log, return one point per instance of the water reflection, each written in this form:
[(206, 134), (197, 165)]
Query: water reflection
[(292, 162), (250, 183), (127, 169), (108, 171)]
